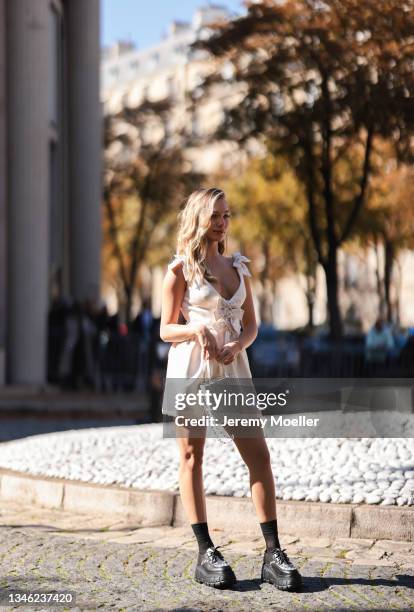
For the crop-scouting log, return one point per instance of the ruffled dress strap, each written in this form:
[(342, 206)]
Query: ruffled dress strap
[(179, 260), (239, 261)]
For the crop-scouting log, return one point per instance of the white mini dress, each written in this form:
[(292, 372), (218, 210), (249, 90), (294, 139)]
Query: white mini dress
[(202, 302)]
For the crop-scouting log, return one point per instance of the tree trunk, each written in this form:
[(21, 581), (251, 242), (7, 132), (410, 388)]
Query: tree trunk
[(331, 273), (380, 291), (310, 296), (397, 311), (128, 305), (266, 302), (311, 303), (262, 306), (388, 268), (310, 273), (264, 297)]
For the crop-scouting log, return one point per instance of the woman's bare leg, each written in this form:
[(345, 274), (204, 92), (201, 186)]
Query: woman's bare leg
[(191, 473), (255, 454), (277, 568)]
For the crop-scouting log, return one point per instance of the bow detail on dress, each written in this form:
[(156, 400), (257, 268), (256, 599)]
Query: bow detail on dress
[(179, 259), (239, 261), (226, 314)]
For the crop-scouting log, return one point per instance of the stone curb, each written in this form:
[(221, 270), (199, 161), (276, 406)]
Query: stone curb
[(71, 407), (157, 508)]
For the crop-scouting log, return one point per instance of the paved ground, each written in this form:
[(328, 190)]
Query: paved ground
[(113, 564)]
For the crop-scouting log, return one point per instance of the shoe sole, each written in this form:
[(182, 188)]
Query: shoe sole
[(283, 584), (219, 582)]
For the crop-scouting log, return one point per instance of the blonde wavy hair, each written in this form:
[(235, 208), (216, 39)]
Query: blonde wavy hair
[(194, 221)]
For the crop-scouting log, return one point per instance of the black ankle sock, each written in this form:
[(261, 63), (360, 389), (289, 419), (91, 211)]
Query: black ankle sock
[(269, 530), (203, 538)]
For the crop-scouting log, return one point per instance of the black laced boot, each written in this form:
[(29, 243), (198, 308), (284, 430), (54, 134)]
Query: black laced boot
[(277, 569), (213, 570)]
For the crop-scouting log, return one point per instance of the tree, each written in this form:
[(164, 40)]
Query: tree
[(146, 178), (388, 221), (270, 208), (322, 78)]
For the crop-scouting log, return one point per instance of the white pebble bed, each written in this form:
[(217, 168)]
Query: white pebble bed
[(338, 470)]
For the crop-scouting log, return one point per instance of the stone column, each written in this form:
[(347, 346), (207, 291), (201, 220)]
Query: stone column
[(3, 192), (27, 25), (85, 147)]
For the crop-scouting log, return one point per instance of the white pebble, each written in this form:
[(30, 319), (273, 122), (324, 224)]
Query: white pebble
[(372, 499), (358, 498), (324, 497)]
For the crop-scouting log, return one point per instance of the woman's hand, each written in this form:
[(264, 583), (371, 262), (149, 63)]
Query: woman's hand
[(229, 352), (206, 340)]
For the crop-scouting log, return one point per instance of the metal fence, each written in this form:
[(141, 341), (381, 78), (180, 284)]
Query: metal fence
[(115, 362)]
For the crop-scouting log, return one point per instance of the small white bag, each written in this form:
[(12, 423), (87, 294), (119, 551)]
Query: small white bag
[(213, 385)]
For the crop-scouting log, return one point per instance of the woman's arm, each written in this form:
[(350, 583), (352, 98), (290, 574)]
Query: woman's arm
[(173, 291)]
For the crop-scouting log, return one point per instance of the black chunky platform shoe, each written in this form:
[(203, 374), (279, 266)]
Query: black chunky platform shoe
[(277, 569), (213, 570)]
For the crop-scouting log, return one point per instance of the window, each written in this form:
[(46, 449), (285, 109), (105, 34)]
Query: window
[(171, 87), (195, 127), (153, 60)]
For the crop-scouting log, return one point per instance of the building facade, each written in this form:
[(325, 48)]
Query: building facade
[(156, 70), (50, 172), (172, 71)]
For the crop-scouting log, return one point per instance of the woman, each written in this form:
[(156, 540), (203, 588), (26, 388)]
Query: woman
[(214, 294)]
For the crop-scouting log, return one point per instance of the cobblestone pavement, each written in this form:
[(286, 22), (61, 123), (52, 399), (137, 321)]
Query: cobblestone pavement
[(113, 564)]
